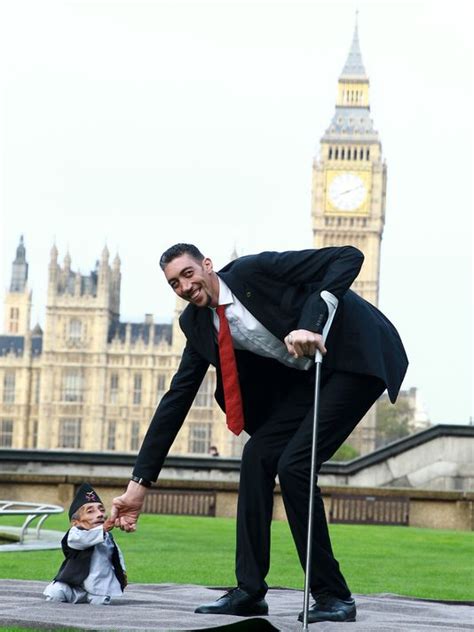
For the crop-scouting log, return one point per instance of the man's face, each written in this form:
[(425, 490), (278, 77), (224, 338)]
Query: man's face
[(194, 281), (90, 515)]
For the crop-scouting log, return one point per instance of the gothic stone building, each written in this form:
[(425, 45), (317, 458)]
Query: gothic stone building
[(89, 381)]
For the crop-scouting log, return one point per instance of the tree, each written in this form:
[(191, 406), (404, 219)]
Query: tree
[(345, 452), (393, 421)]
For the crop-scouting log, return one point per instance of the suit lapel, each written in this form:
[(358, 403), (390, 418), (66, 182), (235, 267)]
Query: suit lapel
[(240, 289), (250, 298)]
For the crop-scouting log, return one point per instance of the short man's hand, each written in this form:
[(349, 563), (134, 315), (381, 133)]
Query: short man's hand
[(109, 524), (126, 508), (301, 342)]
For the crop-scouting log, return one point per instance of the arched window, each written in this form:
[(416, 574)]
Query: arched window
[(367, 154), (330, 153), (361, 154), (342, 153), (336, 155), (348, 153)]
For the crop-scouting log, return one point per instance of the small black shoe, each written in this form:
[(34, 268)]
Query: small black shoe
[(329, 608), (236, 602)]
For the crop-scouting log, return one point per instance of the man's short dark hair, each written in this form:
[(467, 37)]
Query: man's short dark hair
[(180, 249)]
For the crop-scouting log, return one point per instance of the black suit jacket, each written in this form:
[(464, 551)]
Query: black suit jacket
[(282, 291)]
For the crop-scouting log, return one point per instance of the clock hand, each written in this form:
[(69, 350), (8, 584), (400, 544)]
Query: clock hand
[(350, 190)]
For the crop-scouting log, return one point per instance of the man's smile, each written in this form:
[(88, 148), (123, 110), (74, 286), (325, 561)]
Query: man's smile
[(193, 294)]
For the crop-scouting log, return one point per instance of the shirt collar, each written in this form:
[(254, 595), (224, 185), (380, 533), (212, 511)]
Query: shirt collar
[(225, 295)]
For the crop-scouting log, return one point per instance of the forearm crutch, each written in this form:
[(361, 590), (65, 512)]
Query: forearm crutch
[(331, 302)]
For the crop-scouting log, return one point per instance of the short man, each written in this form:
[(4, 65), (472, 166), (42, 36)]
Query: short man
[(272, 303), (93, 570)]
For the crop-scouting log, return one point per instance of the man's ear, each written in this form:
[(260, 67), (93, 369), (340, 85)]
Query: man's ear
[(207, 265)]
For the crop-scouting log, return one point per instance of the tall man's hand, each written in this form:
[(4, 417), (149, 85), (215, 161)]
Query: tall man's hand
[(126, 508), (301, 342)]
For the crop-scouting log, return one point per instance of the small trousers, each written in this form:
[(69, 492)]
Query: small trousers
[(281, 446), (61, 592)]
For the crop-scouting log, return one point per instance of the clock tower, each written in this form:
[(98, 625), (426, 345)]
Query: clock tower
[(348, 199), (349, 177)]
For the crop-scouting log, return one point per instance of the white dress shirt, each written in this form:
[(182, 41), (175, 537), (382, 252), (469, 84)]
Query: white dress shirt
[(248, 333)]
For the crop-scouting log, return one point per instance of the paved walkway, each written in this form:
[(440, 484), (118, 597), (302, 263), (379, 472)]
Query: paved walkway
[(169, 607)]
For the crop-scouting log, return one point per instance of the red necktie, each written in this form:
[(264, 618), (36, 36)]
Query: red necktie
[(230, 378)]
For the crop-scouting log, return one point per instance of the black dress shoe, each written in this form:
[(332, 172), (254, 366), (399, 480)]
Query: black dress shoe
[(329, 608), (236, 602)]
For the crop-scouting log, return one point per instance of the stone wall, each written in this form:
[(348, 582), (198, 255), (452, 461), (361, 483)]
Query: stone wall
[(428, 509)]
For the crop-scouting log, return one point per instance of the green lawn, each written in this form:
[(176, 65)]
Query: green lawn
[(425, 563)]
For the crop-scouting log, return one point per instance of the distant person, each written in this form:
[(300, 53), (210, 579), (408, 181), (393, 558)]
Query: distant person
[(94, 569), (259, 321), (213, 451)]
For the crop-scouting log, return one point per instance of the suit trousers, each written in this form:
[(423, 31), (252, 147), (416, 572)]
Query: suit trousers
[(282, 445)]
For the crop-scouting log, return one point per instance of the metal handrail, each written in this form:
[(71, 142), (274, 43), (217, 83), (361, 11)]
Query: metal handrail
[(31, 511)]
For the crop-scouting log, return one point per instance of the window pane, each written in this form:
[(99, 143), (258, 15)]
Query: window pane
[(204, 397), (135, 436), (6, 433), (199, 438), (137, 388), (72, 386), (114, 382), (9, 387), (69, 433), (111, 430), (75, 329)]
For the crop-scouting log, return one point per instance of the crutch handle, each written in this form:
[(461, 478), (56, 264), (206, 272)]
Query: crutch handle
[(332, 303)]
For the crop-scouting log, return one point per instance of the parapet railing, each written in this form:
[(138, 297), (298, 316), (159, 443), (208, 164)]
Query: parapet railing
[(31, 511)]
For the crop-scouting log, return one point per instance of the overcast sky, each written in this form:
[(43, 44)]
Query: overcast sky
[(141, 123)]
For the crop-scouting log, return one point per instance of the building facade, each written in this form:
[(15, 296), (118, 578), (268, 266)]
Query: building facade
[(348, 195), (90, 381)]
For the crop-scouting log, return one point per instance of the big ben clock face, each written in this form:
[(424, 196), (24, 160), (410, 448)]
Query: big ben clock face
[(347, 192)]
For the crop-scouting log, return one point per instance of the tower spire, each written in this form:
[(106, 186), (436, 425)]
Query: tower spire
[(353, 89), (19, 269), (354, 66)]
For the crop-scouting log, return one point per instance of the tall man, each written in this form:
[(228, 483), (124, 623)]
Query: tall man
[(274, 310)]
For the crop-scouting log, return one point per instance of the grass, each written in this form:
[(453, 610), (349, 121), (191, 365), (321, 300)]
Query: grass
[(424, 563)]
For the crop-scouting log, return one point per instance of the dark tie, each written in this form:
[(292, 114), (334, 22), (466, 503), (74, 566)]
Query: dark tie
[(230, 378)]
